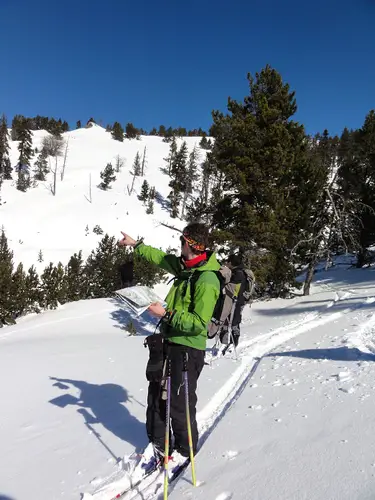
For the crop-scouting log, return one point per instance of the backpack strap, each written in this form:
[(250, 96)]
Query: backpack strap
[(195, 277), (250, 278)]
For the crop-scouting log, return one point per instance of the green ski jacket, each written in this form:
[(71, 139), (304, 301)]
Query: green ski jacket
[(185, 322)]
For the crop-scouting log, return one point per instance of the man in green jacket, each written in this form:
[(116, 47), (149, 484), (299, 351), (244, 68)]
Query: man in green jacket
[(183, 325)]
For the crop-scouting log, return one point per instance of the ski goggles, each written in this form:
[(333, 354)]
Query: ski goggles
[(194, 244)]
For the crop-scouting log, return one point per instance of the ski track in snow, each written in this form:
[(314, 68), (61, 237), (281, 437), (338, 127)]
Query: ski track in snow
[(364, 337), (251, 352)]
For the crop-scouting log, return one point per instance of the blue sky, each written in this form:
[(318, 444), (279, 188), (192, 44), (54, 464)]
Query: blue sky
[(172, 62)]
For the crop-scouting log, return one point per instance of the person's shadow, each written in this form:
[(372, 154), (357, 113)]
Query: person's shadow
[(105, 404), (2, 497)]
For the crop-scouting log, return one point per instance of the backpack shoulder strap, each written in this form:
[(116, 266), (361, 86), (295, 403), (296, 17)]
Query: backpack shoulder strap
[(195, 277), (250, 277)]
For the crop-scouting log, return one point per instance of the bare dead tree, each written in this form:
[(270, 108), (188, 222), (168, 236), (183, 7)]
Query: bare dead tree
[(119, 163), (65, 158), (89, 198), (143, 162), (130, 190), (336, 225), (53, 146)]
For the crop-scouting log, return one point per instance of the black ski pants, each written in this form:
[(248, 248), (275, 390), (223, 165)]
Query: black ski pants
[(156, 406)]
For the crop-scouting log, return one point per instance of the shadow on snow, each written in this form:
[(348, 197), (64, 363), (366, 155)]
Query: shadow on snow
[(333, 354), (103, 404), (353, 302), (144, 324)]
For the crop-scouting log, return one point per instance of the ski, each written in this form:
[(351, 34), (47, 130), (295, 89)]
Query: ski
[(158, 470)]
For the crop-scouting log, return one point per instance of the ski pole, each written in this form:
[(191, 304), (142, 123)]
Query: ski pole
[(188, 421), (230, 325), (167, 427)]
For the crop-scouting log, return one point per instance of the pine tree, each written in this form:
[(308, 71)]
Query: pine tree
[(144, 191), (32, 286), (97, 230), (5, 167), (172, 153), (262, 154), (150, 207), (179, 179), (18, 293), (146, 273), (25, 145), (18, 124), (174, 198), (26, 152), (152, 193), (78, 124), (107, 176), (204, 143), (190, 178), (356, 160), (137, 167), (24, 178), (41, 166), (52, 286), (6, 272), (135, 172), (75, 283), (321, 226), (169, 135), (117, 132), (181, 132), (102, 268), (131, 131)]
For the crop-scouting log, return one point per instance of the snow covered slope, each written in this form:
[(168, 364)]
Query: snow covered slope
[(37, 220), (291, 419)]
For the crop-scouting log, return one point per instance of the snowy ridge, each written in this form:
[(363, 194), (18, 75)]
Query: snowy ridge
[(56, 225)]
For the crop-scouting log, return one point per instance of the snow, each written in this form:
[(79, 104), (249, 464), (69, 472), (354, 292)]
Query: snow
[(292, 418), (37, 220)]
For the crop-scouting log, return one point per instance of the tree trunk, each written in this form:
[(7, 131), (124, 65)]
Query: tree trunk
[(143, 163), (361, 259), (55, 177), (65, 157), (309, 277), (132, 187)]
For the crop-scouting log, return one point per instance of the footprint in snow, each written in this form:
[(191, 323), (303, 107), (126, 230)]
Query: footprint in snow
[(348, 390), (230, 454), (226, 495)]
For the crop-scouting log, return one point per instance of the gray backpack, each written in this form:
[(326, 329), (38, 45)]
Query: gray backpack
[(225, 303)]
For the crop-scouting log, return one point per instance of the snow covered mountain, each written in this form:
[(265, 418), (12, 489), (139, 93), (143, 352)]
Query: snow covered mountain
[(56, 225)]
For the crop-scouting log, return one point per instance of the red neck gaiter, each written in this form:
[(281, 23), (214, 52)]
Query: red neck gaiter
[(193, 262)]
